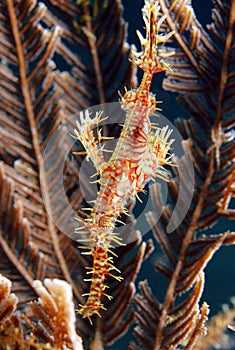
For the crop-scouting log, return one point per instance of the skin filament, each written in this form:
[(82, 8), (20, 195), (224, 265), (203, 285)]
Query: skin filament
[(141, 152)]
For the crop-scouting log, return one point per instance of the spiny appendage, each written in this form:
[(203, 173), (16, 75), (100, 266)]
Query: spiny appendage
[(157, 155), (85, 134), (102, 267), (151, 58), (160, 145)]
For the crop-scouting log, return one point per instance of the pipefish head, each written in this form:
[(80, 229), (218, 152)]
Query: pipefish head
[(152, 57)]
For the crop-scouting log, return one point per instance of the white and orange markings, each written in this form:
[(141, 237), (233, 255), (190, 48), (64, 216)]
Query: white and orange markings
[(140, 154)]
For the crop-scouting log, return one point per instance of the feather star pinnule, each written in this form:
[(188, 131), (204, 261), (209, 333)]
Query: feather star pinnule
[(140, 154)]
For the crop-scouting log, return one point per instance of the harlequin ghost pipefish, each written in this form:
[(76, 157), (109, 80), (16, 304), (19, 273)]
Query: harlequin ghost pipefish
[(140, 154)]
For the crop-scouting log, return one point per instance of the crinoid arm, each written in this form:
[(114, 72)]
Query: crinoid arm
[(85, 134)]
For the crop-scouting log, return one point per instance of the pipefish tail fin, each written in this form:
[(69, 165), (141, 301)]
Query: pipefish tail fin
[(102, 267)]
